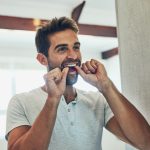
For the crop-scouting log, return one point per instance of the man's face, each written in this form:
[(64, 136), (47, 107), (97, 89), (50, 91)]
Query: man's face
[(65, 52)]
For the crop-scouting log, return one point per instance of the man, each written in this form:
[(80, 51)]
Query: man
[(59, 117)]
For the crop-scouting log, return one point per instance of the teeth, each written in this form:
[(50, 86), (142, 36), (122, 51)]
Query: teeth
[(71, 65)]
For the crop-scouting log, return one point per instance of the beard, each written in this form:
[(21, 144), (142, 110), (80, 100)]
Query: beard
[(71, 77)]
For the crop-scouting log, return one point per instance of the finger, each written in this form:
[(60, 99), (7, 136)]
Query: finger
[(80, 71), (93, 63), (100, 66), (85, 68), (64, 74), (96, 62), (54, 75), (48, 82), (55, 70), (90, 67), (57, 76)]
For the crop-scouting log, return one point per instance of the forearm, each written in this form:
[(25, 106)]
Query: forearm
[(132, 123), (39, 135)]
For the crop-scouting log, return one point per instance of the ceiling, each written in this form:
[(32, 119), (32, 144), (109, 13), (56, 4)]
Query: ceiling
[(95, 12), (100, 12)]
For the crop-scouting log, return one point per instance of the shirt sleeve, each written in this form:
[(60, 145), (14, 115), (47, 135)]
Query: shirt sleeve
[(108, 113), (15, 116)]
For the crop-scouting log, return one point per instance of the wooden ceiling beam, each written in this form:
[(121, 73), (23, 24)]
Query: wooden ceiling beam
[(96, 30), (77, 11), (109, 53), (17, 23)]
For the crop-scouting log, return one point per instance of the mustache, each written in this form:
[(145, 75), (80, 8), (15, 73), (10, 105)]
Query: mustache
[(70, 60)]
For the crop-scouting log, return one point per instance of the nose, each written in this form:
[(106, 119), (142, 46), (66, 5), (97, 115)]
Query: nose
[(72, 54)]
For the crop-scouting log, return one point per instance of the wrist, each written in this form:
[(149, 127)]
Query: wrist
[(53, 102), (105, 85)]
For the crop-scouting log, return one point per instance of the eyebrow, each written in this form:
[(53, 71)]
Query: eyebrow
[(60, 45), (77, 43)]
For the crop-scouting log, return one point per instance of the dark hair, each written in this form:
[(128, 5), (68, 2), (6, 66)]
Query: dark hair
[(51, 27)]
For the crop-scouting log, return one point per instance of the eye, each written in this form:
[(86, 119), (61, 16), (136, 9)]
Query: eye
[(62, 49), (76, 47)]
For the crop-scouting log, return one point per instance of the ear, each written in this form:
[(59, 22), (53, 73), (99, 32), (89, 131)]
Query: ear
[(42, 59)]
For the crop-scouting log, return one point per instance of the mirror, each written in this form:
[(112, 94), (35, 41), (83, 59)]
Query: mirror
[(18, 67)]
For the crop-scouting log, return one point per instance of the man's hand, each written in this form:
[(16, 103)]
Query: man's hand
[(55, 81), (25, 137), (94, 73)]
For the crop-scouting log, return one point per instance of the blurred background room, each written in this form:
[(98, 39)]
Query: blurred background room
[(19, 69)]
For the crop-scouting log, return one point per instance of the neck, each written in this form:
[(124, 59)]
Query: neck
[(70, 93)]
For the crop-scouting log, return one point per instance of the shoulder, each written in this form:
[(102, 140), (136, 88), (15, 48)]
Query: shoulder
[(92, 98), (24, 98)]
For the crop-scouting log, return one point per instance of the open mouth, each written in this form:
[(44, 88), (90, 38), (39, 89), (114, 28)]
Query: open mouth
[(71, 66)]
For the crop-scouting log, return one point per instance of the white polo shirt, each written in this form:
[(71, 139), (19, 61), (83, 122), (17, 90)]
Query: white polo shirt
[(79, 124)]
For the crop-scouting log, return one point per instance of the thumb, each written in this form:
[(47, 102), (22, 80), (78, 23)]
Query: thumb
[(81, 72), (64, 74)]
